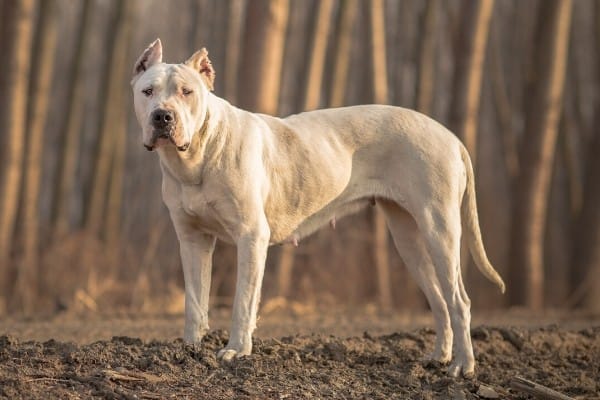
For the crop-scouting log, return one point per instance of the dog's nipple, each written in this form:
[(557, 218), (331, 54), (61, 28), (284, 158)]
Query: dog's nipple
[(332, 223)]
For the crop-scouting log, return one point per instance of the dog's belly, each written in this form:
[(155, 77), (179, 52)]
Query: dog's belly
[(328, 215), (353, 182), (354, 197)]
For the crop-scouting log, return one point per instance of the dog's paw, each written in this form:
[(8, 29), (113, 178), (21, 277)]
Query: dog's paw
[(228, 354), (437, 357), (466, 369)]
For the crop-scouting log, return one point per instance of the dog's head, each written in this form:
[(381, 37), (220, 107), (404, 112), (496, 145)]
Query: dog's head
[(170, 99)]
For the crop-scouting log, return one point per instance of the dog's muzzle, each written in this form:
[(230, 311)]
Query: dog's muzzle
[(163, 121), (159, 137)]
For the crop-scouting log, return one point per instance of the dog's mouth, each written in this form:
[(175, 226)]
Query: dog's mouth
[(165, 137)]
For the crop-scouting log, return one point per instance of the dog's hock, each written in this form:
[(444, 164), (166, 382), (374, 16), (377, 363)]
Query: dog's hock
[(152, 55), (201, 63)]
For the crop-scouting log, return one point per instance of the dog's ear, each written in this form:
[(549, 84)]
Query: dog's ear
[(152, 55), (201, 63)]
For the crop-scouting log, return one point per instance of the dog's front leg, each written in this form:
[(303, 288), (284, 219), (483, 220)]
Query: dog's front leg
[(252, 252), (196, 258)]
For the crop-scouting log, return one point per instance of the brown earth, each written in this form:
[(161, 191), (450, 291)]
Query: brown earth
[(74, 357)]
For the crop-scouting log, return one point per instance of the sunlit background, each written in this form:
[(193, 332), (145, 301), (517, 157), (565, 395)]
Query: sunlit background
[(82, 224)]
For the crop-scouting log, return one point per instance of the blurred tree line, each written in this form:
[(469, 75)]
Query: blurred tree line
[(81, 218)]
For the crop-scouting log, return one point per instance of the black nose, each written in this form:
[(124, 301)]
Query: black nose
[(162, 118)]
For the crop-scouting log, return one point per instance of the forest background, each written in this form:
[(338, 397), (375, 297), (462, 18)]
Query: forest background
[(82, 224)]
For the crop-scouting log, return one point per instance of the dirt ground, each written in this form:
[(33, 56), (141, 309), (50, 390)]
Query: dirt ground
[(298, 353)]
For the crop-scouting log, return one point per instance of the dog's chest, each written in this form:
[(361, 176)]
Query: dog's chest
[(201, 209), (194, 201)]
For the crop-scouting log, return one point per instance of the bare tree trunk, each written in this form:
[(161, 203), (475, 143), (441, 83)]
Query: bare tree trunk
[(585, 275), (426, 77), (72, 129), (317, 57), (469, 70), (15, 82), (3, 20), (41, 79), (264, 39), (216, 40), (571, 126), (343, 50), (233, 50), (118, 123), (380, 95), (503, 107), (201, 25), (537, 154), (97, 210), (378, 51)]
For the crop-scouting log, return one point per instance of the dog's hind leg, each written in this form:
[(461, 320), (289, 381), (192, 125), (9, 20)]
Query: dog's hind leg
[(413, 252), (441, 230)]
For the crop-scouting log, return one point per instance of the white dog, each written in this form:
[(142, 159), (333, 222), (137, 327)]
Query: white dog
[(256, 180)]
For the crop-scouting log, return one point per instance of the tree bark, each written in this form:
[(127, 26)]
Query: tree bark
[(343, 50), (427, 58), (3, 20), (41, 81), (380, 96), (15, 82), (264, 40), (585, 275), (201, 24), (118, 122), (469, 70), (316, 65), (233, 50), (537, 154), (503, 107), (67, 161), (97, 210)]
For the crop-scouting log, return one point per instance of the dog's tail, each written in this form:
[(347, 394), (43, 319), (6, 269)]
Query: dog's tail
[(470, 220)]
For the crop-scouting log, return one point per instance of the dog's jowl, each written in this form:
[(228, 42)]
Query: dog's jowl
[(255, 180)]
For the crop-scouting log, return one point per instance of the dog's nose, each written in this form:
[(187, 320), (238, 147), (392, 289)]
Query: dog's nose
[(162, 118)]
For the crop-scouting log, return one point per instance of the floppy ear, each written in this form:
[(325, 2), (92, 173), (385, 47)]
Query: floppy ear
[(201, 63), (152, 55)]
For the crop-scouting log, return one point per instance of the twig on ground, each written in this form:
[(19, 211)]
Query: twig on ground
[(536, 389)]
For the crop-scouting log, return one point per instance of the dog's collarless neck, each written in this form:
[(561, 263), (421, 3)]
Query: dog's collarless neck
[(186, 167)]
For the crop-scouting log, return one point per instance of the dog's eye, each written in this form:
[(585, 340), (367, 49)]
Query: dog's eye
[(186, 91), (148, 92)]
